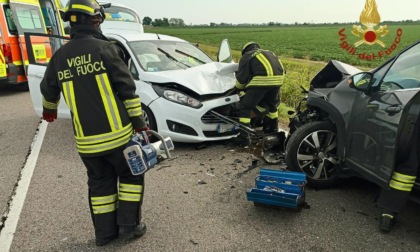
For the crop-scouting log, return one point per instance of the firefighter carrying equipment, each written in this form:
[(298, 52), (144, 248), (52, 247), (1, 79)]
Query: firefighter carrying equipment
[(89, 75)]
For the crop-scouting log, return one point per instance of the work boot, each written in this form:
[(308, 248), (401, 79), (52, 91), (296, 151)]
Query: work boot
[(104, 241), (133, 231), (270, 125), (386, 221), (242, 139)]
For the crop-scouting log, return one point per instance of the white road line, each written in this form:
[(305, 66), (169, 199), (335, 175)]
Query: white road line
[(16, 205)]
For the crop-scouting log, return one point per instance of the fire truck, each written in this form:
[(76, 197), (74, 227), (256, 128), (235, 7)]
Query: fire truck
[(26, 16)]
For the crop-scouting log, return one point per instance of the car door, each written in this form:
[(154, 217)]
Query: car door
[(36, 70), (383, 117)]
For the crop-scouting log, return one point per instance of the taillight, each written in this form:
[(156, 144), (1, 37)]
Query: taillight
[(7, 52)]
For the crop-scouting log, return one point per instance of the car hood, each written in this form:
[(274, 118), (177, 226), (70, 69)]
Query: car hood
[(210, 78), (332, 74)]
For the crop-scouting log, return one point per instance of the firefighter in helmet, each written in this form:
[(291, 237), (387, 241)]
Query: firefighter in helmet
[(98, 88), (260, 75)]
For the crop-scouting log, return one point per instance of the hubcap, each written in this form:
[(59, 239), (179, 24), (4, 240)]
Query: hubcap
[(317, 155)]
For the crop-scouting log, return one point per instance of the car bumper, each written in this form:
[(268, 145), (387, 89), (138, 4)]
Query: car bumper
[(186, 124)]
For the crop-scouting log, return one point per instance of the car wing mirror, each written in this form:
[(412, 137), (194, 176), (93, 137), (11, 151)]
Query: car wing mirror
[(361, 81), (224, 54)]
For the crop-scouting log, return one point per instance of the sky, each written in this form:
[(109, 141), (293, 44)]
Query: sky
[(195, 12)]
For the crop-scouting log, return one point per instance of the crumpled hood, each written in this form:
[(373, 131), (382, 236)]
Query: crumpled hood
[(210, 78)]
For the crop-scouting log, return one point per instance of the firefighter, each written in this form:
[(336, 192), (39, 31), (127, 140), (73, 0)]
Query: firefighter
[(260, 75), (98, 88), (391, 201)]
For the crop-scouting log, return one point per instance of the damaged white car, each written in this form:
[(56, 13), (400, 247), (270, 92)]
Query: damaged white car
[(178, 84)]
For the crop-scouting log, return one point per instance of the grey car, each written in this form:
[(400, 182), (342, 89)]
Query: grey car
[(340, 129)]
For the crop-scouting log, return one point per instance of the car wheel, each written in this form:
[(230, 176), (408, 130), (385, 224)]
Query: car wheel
[(312, 149), (149, 118)]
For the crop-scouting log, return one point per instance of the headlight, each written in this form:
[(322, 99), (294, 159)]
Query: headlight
[(181, 98)]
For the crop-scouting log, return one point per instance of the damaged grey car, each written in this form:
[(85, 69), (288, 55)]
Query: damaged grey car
[(341, 129)]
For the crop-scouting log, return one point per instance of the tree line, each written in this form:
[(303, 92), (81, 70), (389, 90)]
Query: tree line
[(177, 22)]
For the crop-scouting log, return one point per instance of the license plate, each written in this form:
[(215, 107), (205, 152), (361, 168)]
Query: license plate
[(222, 128)]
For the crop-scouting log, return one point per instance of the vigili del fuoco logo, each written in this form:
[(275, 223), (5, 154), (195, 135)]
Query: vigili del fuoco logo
[(369, 33)]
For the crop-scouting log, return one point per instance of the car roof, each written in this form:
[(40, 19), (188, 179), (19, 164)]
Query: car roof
[(131, 36), (117, 5)]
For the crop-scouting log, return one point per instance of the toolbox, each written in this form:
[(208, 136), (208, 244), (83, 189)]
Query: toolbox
[(275, 188)]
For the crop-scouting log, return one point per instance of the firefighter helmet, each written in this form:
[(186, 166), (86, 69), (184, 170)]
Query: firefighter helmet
[(88, 7), (248, 46)]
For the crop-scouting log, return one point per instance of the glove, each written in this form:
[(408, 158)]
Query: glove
[(138, 130), (49, 116)]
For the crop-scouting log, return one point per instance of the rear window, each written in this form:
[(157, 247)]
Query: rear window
[(28, 18), (116, 13), (9, 20)]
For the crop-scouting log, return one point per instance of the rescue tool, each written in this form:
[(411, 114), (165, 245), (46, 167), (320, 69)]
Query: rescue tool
[(141, 155)]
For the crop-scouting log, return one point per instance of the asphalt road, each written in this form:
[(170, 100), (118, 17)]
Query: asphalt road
[(194, 202)]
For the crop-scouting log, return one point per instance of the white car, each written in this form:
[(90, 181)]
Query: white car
[(178, 84)]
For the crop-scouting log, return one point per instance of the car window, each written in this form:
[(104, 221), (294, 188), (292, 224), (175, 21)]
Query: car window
[(161, 55), (405, 71), (116, 13), (29, 19), (9, 19)]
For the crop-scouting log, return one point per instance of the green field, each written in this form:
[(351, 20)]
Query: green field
[(318, 43), (304, 50)]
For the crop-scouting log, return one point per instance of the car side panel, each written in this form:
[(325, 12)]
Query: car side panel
[(375, 126)]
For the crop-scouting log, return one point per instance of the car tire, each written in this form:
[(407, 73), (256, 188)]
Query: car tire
[(312, 149), (150, 120)]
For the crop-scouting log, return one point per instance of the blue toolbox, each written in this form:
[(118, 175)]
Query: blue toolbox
[(277, 188)]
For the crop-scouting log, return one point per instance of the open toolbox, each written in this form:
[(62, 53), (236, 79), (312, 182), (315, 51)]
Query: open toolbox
[(279, 189)]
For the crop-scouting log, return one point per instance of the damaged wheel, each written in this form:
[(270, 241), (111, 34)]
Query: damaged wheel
[(312, 149)]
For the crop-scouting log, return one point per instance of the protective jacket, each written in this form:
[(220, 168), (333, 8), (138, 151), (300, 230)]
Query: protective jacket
[(259, 68), (98, 89)]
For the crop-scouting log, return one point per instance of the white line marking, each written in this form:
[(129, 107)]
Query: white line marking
[(16, 205)]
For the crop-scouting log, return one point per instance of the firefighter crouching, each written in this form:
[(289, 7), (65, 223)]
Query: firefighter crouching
[(98, 88), (260, 74)]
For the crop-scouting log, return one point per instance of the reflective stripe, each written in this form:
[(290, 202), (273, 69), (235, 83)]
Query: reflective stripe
[(133, 197), (133, 107), (265, 63), (83, 7), (104, 208), (403, 178), (68, 92), (135, 112), (245, 120), (109, 101), (239, 85), (49, 105), (105, 137), (273, 115), (103, 199), (104, 204), (118, 139), (132, 103), (131, 188), (261, 109), (401, 186), (276, 80)]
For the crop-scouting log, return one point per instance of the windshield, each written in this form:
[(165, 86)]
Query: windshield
[(160, 55)]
